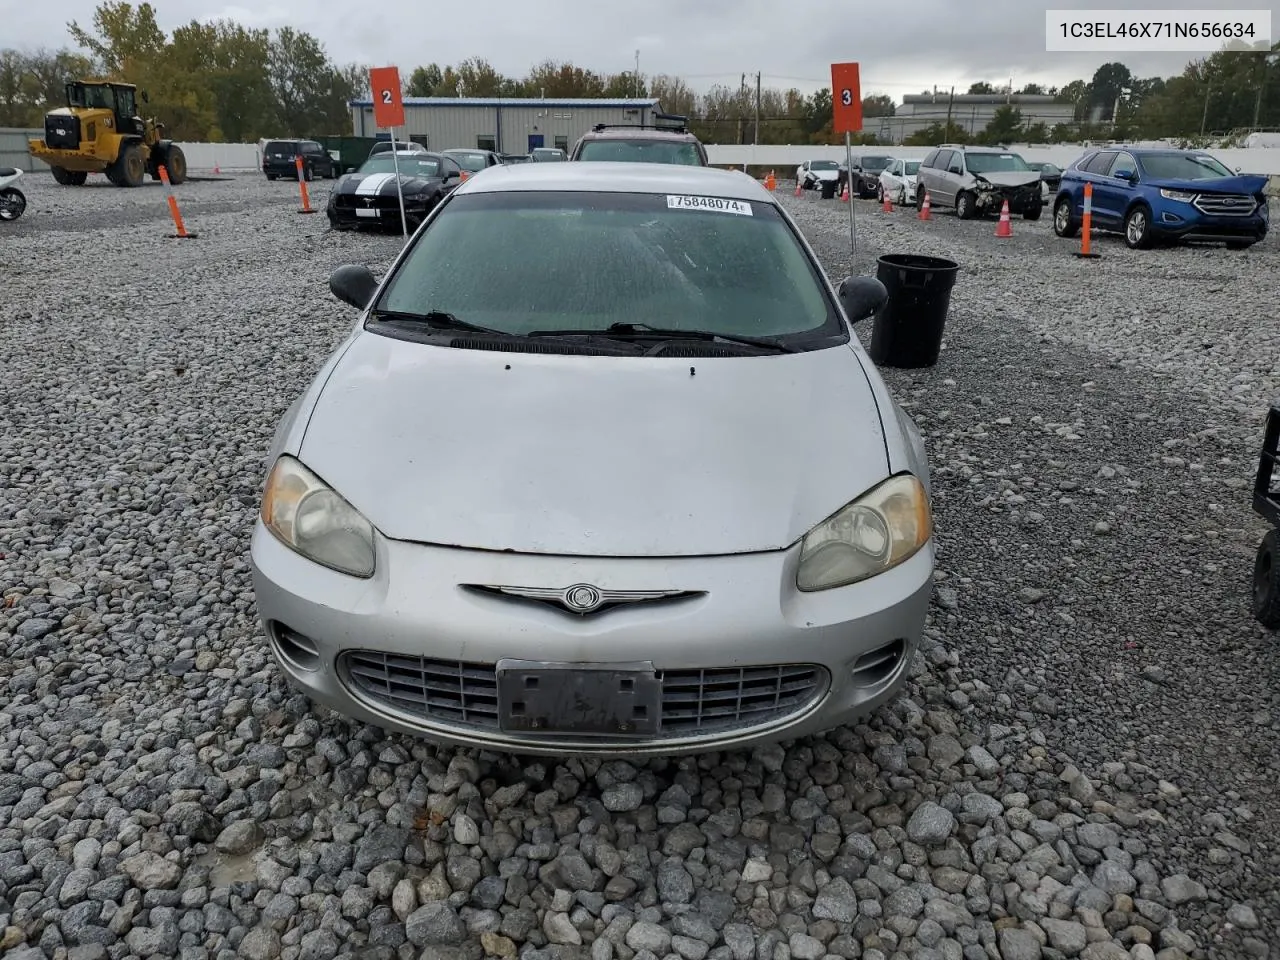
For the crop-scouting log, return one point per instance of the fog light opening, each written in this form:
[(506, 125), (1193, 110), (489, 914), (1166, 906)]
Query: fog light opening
[(876, 666), (294, 648)]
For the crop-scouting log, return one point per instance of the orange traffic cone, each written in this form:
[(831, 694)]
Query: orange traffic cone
[(887, 206), (771, 182), (216, 169), (844, 195), (797, 193), (924, 208), (1004, 228)]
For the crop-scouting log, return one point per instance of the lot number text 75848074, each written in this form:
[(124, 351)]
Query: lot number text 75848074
[(719, 204)]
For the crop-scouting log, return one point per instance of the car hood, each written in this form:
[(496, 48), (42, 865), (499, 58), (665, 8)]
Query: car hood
[(375, 183), (603, 456), (1009, 178), (825, 174), (1248, 183)]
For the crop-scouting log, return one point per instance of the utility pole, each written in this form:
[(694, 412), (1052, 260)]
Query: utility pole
[(1204, 117), (636, 78), (742, 96), (757, 107), (946, 132)]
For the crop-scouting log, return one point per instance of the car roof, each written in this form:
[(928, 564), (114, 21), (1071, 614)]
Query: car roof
[(639, 133), (619, 177)]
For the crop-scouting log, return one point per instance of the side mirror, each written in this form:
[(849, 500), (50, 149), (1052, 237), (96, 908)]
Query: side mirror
[(954, 169), (861, 297), (1125, 174), (145, 98), (353, 283)]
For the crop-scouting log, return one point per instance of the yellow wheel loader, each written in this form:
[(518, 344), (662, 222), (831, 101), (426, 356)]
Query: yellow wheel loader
[(99, 131)]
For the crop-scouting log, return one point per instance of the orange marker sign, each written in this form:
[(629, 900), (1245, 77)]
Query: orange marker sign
[(388, 104), (846, 98)]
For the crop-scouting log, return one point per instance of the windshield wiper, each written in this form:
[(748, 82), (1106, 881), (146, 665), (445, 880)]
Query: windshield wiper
[(630, 331), (664, 333), (440, 320)]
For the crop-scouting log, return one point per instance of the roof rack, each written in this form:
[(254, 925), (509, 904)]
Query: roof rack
[(661, 121)]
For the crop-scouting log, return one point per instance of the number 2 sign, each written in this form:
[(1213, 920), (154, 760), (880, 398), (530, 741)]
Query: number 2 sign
[(846, 98), (388, 105)]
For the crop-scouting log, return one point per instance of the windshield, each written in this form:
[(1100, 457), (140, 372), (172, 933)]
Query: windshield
[(996, 163), (547, 156), (1183, 166), (641, 151), (876, 163), (474, 162), (824, 165), (412, 165), (519, 262), (912, 167)]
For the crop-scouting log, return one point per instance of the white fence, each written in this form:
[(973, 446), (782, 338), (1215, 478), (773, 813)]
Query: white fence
[(244, 157), (786, 158)]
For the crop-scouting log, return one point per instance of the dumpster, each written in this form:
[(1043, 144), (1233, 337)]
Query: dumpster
[(908, 328), (828, 189)]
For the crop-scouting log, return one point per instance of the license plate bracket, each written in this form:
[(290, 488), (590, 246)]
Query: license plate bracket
[(617, 699), (367, 211)]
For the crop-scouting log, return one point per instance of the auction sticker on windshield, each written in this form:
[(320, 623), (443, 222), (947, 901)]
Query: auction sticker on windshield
[(709, 203)]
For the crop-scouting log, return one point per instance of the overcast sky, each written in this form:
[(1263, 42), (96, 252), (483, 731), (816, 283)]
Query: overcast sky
[(902, 47)]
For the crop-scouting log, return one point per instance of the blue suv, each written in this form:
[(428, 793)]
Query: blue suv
[(1149, 195)]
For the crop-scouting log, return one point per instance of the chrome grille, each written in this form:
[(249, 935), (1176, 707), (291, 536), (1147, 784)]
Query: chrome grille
[(694, 702), (1225, 204)]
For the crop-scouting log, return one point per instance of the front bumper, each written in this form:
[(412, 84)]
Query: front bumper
[(414, 650), (1183, 224), (1021, 199), (72, 160), (347, 210)]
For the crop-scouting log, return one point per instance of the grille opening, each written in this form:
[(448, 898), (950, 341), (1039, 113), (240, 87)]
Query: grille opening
[(297, 649), (694, 702), (877, 666)]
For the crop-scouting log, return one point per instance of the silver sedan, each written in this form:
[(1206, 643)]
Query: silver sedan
[(600, 469)]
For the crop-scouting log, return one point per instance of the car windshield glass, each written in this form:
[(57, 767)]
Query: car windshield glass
[(996, 163), (824, 165), (474, 162), (413, 165), (876, 163), (913, 167), (1183, 166), (641, 151), (526, 261)]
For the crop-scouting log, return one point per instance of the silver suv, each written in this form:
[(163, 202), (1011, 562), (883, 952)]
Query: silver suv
[(977, 181)]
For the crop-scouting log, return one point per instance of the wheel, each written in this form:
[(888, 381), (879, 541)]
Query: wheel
[(12, 203), (965, 207), (1266, 582), (175, 162), (130, 169), (880, 193), (920, 192), (69, 178), (1063, 223), (309, 173), (1032, 213), (902, 197), (1137, 228), (271, 176)]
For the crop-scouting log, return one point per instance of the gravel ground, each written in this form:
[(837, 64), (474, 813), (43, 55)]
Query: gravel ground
[(1083, 764)]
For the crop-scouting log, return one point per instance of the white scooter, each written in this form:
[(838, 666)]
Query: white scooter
[(12, 202)]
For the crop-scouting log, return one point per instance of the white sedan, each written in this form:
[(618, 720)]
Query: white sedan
[(811, 173), (898, 180)]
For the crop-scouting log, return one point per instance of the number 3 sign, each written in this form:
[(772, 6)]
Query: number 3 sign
[(846, 105), (388, 106)]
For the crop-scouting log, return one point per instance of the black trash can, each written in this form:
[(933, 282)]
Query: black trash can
[(908, 328), (828, 189)]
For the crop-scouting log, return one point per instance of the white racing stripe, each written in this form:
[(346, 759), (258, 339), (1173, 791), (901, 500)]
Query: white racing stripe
[(371, 184)]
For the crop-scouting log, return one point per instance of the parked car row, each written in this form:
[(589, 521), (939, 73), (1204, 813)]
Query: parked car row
[(1147, 195)]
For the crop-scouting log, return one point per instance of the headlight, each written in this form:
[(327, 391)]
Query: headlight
[(311, 519), (1180, 195), (881, 529)]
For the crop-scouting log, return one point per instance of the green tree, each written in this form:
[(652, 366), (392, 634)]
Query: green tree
[(625, 84), (127, 43), (552, 79), (878, 105), (937, 133), (1109, 80), (1032, 90), (981, 87), (1005, 125), (424, 81), (1076, 93)]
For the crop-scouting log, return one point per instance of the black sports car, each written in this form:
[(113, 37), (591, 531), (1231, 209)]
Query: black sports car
[(369, 198)]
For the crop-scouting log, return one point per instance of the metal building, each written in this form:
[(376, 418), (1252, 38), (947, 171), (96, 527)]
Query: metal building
[(501, 124)]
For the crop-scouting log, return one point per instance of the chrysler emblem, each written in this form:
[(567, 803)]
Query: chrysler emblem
[(582, 598)]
